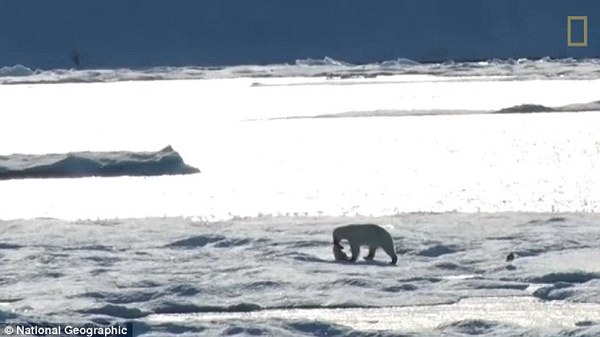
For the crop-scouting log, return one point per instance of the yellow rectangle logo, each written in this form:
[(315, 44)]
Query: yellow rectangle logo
[(570, 41)]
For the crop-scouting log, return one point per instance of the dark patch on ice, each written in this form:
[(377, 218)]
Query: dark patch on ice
[(583, 331), (118, 311), (189, 308), (196, 241), (92, 294), (101, 320), (525, 108), (103, 261), (439, 250), (9, 246), (570, 277), (6, 316), (557, 219), (141, 328), (177, 329), (557, 291), (510, 267), (130, 297), (503, 238), (183, 290), (585, 323), (243, 307), (99, 271), (237, 330), (323, 329), (320, 306), (318, 328), (141, 284), (99, 164), (262, 240), (262, 285), (53, 274), (10, 300), (471, 327), (421, 279), (121, 297), (232, 243), (400, 288), (353, 282), (498, 285), (183, 308), (533, 108), (91, 247)]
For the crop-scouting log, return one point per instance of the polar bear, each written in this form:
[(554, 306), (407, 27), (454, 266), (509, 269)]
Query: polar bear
[(363, 235)]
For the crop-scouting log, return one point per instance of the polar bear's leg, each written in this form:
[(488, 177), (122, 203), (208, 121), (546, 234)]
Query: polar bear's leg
[(355, 250), (371, 255), (388, 247), (393, 255)]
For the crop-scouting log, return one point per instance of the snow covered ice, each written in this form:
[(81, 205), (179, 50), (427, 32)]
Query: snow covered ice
[(86, 164), (276, 275), (244, 248)]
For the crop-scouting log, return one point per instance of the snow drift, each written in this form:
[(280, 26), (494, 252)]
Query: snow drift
[(102, 164)]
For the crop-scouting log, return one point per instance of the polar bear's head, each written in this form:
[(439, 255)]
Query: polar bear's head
[(338, 253)]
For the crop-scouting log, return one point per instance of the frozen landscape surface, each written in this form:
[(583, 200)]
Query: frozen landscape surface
[(275, 276), (245, 247), (86, 164)]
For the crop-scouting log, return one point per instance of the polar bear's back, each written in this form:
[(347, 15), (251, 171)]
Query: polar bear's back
[(365, 234)]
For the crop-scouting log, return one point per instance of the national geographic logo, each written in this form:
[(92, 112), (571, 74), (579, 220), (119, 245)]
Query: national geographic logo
[(577, 31), (70, 330)]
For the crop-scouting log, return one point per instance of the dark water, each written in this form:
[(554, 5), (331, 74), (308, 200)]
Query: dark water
[(89, 34)]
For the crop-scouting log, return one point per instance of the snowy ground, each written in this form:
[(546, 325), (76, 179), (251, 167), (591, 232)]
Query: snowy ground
[(252, 232), (277, 275)]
